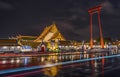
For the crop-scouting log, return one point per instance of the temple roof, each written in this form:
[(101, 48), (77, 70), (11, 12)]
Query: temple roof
[(8, 42), (26, 37), (50, 33)]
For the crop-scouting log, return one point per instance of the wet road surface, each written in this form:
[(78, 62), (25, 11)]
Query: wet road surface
[(54, 66)]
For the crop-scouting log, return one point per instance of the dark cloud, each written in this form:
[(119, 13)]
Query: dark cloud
[(29, 17), (6, 6), (108, 7)]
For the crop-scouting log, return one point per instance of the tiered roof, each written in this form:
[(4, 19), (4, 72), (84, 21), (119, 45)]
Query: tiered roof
[(50, 33), (8, 42)]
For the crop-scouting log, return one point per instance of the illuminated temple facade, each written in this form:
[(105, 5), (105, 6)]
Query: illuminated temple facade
[(50, 39)]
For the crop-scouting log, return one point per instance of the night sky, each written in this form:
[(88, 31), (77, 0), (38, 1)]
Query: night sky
[(29, 17)]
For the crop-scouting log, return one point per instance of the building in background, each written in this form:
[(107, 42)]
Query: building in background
[(50, 39), (9, 46)]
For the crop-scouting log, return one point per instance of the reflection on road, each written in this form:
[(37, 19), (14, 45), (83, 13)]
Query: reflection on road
[(89, 68), (15, 62), (51, 71)]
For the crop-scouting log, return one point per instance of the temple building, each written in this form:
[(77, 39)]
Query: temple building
[(9, 45), (49, 40)]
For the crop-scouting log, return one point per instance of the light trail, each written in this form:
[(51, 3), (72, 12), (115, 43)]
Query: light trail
[(37, 71), (51, 65), (25, 74)]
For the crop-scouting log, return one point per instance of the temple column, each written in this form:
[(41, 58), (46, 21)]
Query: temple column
[(92, 11), (100, 27), (91, 35)]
